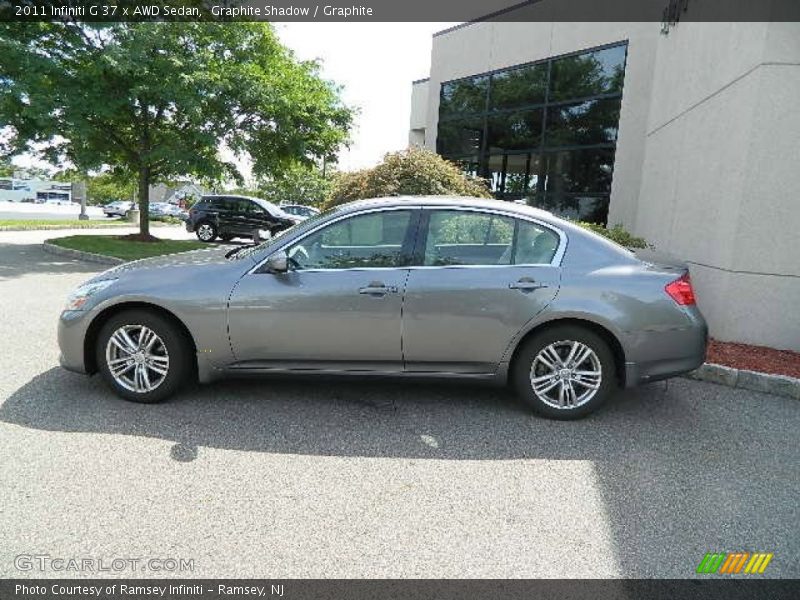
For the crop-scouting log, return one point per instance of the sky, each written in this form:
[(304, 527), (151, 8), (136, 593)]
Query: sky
[(375, 64)]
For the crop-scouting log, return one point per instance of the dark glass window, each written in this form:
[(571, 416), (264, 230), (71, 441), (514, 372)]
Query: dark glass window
[(519, 87), (515, 131), (583, 123), (580, 171), (464, 96), (543, 133), (461, 137), (588, 74)]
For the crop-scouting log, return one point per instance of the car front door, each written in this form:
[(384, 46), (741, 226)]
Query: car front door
[(338, 307), (481, 276)]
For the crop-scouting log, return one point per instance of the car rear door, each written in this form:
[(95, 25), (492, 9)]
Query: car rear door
[(478, 277), (338, 308)]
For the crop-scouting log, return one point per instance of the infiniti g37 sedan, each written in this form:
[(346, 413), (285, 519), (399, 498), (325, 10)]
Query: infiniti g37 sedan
[(408, 287)]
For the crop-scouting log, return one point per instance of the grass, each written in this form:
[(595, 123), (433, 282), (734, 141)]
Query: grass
[(119, 247), (34, 224)]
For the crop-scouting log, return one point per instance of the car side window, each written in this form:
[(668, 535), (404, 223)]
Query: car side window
[(534, 244), (468, 238), (362, 241)]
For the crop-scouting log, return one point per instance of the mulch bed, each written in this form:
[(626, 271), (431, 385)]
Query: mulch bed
[(754, 358)]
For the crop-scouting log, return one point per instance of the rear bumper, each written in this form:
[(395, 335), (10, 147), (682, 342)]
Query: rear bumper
[(664, 354)]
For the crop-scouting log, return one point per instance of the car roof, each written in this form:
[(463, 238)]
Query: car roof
[(450, 202)]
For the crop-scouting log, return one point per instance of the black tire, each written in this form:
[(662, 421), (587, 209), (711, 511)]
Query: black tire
[(178, 349), (523, 363), (206, 231)]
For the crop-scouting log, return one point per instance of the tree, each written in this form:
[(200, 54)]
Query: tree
[(6, 168), (299, 184), (157, 100), (100, 187), (412, 172)]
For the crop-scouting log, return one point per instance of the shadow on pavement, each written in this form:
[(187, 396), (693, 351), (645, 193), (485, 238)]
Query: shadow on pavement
[(26, 259), (684, 468)]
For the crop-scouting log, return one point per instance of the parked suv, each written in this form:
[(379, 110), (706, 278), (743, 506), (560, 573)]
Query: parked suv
[(228, 217)]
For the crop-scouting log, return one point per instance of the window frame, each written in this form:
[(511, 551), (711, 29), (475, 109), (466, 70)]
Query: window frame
[(549, 104), (406, 247), (418, 255)]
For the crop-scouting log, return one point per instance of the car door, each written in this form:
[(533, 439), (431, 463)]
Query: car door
[(479, 277), (339, 305)]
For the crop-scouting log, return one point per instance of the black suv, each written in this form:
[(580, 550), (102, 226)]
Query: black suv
[(236, 216)]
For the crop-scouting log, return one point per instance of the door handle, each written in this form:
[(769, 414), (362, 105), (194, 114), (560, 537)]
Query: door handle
[(378, 289), (526, 284)]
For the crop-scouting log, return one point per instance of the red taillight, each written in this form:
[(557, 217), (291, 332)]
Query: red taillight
[(681, 290)]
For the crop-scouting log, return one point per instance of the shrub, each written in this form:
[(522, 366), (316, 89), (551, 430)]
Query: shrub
[(411, 172), (617, 234)]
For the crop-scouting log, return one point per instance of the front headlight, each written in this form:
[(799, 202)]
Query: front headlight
[(79, 297)]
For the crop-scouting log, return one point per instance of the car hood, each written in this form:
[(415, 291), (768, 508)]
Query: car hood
[(205, 257)]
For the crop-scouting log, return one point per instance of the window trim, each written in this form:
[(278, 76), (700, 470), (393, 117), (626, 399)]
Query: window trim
[(422, 238)]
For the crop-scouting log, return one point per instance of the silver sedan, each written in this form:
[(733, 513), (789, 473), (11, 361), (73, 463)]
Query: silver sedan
[(425, 287)]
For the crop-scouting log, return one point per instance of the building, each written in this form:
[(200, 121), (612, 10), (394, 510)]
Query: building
[(23, 189), (688, 136)]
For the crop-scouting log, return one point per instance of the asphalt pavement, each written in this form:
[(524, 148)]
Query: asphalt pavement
[(309, 478)]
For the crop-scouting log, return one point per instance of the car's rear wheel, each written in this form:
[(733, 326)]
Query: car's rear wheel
[(142, 356), (206, 231), (565, 372)]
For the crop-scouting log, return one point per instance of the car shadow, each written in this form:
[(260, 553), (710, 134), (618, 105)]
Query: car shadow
[(683, 468)]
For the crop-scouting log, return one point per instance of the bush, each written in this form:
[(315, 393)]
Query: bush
[(411, 172), (617, 234)]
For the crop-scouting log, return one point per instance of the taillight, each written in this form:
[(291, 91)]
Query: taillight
[(681, 290)]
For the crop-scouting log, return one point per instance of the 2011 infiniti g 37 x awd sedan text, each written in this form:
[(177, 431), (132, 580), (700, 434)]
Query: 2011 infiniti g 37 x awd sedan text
[(410, 287)]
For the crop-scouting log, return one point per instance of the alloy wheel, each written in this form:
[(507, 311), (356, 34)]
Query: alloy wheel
[(566, 374), (205, 232), (137, 358)]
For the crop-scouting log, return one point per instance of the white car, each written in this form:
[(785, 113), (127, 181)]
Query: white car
[(119, 208)]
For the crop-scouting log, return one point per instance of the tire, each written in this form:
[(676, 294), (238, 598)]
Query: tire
[(171, 352), (206, 231), (583, 393)]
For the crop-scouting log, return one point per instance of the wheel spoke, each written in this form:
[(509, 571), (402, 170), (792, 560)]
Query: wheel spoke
[(120, 341)]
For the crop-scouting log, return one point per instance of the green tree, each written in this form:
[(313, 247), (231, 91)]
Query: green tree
[(157, 100), (6, 168), (299, 184), (412, 172)]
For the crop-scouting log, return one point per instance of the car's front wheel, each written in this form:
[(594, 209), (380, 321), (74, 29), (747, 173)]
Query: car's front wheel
[(142, 356), (565, 372), (206, 232)]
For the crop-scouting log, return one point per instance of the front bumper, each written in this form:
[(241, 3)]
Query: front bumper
[(72, 327)]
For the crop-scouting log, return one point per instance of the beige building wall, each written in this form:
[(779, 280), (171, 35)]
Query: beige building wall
[(721, 175)]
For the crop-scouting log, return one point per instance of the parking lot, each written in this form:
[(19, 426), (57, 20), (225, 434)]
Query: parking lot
[(309, 478)]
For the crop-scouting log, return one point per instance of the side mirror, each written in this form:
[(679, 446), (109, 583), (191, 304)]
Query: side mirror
[(278, 263)]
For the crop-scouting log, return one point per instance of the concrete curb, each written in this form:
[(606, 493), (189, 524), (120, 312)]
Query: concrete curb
[(778, 385), (81, 255)]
